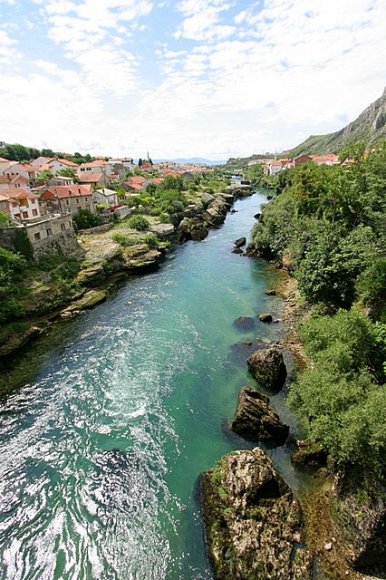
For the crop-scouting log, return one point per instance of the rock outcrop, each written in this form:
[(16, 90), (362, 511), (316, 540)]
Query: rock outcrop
[(268, 368), (359, 510), (256, 420), (193, 228), (88, 300), (252, 520)]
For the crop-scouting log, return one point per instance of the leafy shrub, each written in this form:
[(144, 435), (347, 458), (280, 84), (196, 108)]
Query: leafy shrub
[(138, 222), (125, 240), (151, 240), (85, 219), (338, 393)]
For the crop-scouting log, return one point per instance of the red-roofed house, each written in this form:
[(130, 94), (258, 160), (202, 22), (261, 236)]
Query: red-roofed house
[(97, 166), (68, 198), (96, 179), (329, 159), (23, 169), (57, 164), (8, 182), (22, 204)]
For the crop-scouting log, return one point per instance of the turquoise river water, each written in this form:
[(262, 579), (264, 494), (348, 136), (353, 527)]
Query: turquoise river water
[(113, 416)]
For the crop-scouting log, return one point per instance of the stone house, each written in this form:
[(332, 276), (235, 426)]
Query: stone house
[(94, 179), (56, 165), (68, 198), (105, 196), (97, 166)]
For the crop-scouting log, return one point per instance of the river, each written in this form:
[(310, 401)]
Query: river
[(117, 412)]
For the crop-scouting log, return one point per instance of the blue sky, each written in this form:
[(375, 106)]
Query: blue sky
[(213, 78)]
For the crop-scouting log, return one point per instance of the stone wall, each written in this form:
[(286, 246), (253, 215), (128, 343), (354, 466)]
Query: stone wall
[(51, 235)]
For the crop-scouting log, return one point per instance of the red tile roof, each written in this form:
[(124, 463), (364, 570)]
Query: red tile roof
[(65, 191), (89, 177), (18, 193)]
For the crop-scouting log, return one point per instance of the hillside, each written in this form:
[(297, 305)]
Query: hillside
[(369, 127)]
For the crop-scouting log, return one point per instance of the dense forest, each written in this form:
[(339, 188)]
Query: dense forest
[(327, 226)]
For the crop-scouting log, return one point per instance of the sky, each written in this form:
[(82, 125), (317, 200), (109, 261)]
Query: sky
[(208, 78)]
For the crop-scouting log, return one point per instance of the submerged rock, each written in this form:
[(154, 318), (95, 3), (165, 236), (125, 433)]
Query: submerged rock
[(256, 420), (270, 292), (237, 251), (252, 521), (244, 323), (268, 368)]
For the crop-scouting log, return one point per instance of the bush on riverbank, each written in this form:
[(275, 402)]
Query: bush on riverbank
[(12, 269), (327, 226), (342, 393)]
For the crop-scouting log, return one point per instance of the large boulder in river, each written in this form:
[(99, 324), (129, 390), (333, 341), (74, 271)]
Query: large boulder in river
[(252, 521), (192, 229), (240, 242), (268, 368), (256, 420)]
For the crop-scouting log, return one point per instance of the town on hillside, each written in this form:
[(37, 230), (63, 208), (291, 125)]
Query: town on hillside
[(43, 197)]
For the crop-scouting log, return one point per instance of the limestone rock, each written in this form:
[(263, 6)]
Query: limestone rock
[(192, 229), (268, 368), (252, 521), (88, 300), (256, 420), (162, 230)]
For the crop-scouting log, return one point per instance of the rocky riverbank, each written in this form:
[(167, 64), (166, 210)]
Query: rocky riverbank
[(343, 524), (105, 263)]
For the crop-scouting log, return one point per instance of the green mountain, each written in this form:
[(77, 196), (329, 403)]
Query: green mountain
[(369, 127)]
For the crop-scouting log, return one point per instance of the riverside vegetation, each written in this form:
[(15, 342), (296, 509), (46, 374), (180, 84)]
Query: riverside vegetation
[(326, 226)]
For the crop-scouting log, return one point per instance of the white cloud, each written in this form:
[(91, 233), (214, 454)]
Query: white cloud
[(264, 82), (202, 20)]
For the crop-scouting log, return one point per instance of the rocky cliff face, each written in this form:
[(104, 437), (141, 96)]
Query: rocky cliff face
[(369, 127), (252, 521)]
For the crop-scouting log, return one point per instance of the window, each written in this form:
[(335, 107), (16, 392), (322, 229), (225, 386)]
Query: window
[(37, 236), (67, 202), (25, 215), (49, 232), (34, 212), (63, 227)]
